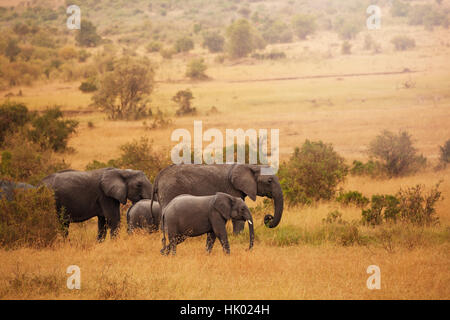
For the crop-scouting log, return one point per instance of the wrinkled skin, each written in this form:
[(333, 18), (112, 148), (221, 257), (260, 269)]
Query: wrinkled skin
[(191, 216), (97, 193), (7, 188), (140, 216), (238, 180)]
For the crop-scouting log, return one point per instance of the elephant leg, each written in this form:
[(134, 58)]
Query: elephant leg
[(238, 226), (114, 227), (210, 239), (101, 235)]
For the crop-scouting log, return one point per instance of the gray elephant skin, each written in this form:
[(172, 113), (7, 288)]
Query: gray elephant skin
[(191, 216), (8, 188), (238, 180), (140, 216), (97, 193)]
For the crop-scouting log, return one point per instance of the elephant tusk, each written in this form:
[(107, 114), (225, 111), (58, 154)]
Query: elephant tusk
[(249, 222)]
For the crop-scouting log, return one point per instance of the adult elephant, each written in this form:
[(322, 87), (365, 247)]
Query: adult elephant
[(8, 188), (238, 180), (97, 193)]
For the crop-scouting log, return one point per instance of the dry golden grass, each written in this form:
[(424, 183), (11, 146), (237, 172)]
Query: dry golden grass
[(346, 111)]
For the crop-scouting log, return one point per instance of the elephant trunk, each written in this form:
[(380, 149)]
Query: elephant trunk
[(277, 195)]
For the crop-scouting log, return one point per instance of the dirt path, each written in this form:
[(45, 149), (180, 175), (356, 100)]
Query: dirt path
[(327, 76)]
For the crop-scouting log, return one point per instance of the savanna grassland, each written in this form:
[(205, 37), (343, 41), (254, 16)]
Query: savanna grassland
[(315, 92)]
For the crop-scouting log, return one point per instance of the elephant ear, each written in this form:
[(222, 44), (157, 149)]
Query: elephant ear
[(243, 178), (113, 185), (223, 203)]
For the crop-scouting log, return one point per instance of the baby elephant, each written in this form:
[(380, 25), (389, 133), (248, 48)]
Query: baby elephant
[(139, 216), (191, 216)]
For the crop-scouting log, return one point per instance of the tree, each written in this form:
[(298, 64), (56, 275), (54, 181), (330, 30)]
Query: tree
[(87, 35), (396, 153), (402, 43), (304, 25), (183, 99), (196, 69), (121, 91), (240, 39), (213, 41), (12, 49)]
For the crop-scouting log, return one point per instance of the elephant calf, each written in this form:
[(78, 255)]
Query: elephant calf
[(8, 188), (141, 216), (191, 216)]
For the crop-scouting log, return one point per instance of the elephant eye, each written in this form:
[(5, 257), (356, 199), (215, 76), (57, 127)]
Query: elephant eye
[(270, 180)]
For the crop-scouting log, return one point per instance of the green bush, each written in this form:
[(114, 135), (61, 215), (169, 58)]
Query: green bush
[(153, 46), (196, 69), (276, 32), (396, 153), (241, 39), (410, 205), (23, 160), (400, 8), (402, 43), (30, 219), (87, 35), (13, 116), (304, 25), (417, 207), (352, 197), (347, 27), (51, 131), (370, 168), (183, 99), (183, 44), (213, 41), (383, 207), (312, 173), (87, 86)]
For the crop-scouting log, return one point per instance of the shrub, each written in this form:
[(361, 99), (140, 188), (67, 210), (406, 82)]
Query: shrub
[(444, 156), (312, 173), (13, 115), (347, 27), (410, 205), (213, 41), (402, 43), (370, 168), (334, 217), (154, 46), (51, 131), (87, 86), (183, 99), (346, 47), (400, 8), (417, 207), (30, 219), (277, 32), (166, 53), (273, 55), (352, 197), (382, 207), (87, 35), (396, 153), (196, 69), (304, 25), (183, 44), (23, 160)]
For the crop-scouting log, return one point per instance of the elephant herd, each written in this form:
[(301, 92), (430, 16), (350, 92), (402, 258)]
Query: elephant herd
[(186, 200)]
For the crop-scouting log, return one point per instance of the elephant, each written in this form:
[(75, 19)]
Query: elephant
[(96, 193), (191, 216), (238, 180), (7, 188), (139, 216)]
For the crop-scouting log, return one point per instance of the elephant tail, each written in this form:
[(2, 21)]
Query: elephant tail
[(164, 250)]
